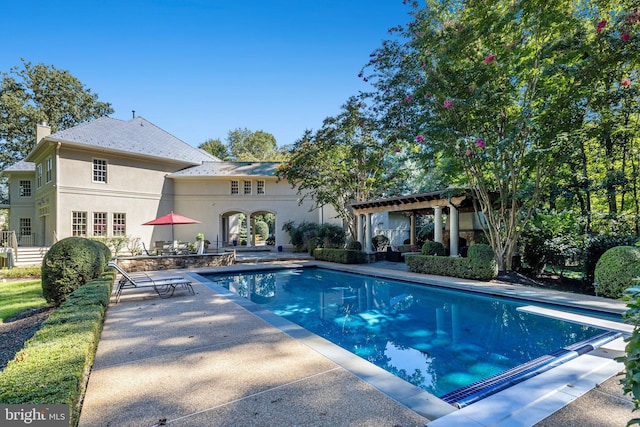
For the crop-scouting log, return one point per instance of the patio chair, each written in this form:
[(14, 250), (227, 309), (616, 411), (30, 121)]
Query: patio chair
[(165, 286)]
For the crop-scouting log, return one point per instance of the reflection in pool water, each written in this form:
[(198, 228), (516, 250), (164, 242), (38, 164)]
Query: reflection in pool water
[(437, 339)]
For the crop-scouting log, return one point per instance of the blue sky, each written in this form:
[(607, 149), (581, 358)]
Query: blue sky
[(200, 68)]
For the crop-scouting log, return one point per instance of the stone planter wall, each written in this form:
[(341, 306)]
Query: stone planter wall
[(168, 262)]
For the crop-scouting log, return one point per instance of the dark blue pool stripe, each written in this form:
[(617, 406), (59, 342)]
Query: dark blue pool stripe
[(481, 389)]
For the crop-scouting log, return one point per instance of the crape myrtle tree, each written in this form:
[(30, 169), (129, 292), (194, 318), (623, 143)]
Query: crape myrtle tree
[(341, 163), (487, 90), (31, 94), (608, 150)]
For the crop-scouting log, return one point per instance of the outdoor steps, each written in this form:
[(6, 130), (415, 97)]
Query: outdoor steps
[(30, 255)]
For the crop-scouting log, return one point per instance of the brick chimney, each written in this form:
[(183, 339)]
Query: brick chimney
[(42, 131)]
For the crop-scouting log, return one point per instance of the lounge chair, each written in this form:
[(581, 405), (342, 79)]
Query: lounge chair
[(165, 286)]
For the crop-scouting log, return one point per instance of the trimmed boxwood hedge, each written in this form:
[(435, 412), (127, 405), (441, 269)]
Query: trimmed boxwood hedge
[(433, 248), (480, 264), (69, 264), (53, 366), (617, 269), (342, 256)]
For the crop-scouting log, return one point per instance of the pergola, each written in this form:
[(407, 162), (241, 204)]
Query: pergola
[(433, 203)]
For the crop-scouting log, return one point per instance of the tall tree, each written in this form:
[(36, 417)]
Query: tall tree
[(35, 93), (341, 163), (471, 82), (245, 145), (215, 147)]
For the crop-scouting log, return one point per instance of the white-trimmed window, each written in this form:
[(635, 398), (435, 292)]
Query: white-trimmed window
[(119, 224), (25, 227), (49, 171), (100, 224), (246, 187), (25, 188), (79, 224), (99, 170), (235, 187), (260, 187), (39, 175)]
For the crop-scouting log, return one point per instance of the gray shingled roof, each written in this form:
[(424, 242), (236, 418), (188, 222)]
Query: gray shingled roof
[(21, 166), (137, 136), (229, 169)]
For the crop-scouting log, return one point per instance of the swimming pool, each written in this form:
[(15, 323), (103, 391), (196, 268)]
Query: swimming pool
[(456, 345)]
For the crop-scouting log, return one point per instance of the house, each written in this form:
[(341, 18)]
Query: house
[(107, 177)]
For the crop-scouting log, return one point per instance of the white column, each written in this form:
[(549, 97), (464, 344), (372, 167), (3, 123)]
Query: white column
[(359, 229), (249, 230), (454, 231), (437, 230), (368, 247), (412, 232)]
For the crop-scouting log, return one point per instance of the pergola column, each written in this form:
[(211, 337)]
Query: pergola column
[(368, 247), (412, 232), (454, 231), (360, 229), (437, 230)]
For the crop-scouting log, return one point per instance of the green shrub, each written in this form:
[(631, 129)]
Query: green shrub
[(631, 357), (312, 244), (598, 245), (480, 264), (262, 229), (482, 261), (333, 236), (380, 242), (69, 264), (433, 248), (354, 245), (20, 272), (53, 366), (342, 256), (617, 269)]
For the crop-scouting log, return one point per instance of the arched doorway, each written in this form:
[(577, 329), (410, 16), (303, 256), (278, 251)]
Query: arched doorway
[(231, 227), (263, 228)]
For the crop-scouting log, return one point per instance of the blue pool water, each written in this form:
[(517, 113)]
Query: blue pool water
[(437, 339)]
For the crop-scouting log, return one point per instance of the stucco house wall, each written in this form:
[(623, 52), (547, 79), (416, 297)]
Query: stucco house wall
[(149, 173)]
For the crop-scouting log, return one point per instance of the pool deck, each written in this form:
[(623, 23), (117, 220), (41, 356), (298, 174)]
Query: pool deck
[(216, 359)]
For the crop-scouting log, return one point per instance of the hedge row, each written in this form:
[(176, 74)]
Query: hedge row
[(480, 264), (53, 366), (342, 256)]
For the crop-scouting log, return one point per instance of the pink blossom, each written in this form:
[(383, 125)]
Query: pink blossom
[(489, 58), (468, 152), (626, 82), (408, 98), (625, 37), (420, 138), (480, 143), (448, 103), (427, 95), (416, 81), (396, 150), (601, 25)]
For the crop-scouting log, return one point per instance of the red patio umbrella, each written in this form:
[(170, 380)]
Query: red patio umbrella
[(171, 219)]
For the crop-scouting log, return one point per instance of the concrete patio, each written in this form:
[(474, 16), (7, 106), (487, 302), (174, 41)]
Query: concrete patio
[(216, 359)]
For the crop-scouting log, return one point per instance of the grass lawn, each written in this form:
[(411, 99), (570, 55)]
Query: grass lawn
[(19, 296)]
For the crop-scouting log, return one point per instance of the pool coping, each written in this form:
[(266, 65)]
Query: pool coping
[(527, 402)]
